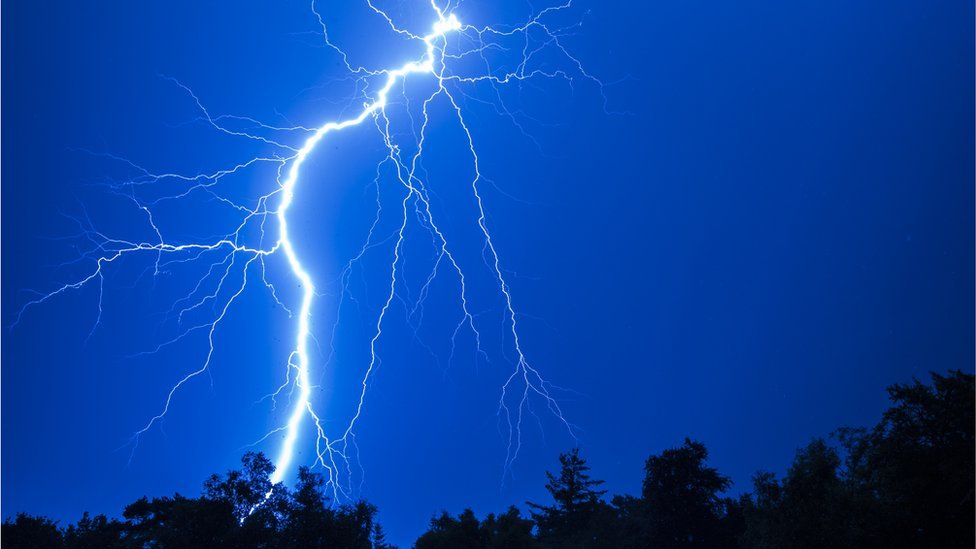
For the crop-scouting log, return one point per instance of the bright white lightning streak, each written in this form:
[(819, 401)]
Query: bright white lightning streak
[(331, 454), (303, 403)]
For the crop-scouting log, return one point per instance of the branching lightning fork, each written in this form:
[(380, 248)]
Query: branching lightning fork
[(233, 256)]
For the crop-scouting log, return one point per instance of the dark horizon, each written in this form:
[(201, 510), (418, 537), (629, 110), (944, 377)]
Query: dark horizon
[(905, 482)]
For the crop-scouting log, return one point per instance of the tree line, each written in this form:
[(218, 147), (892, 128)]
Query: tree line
[(906, 482)]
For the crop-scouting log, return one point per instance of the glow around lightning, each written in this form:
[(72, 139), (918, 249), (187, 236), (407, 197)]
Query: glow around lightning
[(441, 47), (302, 404)]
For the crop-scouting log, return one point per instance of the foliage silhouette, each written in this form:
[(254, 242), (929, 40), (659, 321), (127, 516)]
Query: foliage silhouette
[(913, 473), (30, 531), (237, 509), (811, 507), (578, 514), (906, 482), (507, 531), (680, 503)]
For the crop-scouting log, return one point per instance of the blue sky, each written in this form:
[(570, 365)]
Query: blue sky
[(768, 221)]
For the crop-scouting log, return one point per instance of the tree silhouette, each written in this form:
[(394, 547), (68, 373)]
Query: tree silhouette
[(179, 522), (915, 469), (243, 490), (578, 517), (510, 530), (378, 538), (506, 531), (239, 509), (906, 482), (680, 503), (310, 522), (308, 518), (446, 531), (94, 533), (257, 508), (30, 531), (811, 508)]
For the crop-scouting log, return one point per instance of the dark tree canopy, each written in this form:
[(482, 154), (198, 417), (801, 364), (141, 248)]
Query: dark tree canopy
[(507, 531), (914, 471), (242, 490), (811, 507), (681, 498), (906, 482), (92, 533), (30, 531), (239, 509), (578, 517)]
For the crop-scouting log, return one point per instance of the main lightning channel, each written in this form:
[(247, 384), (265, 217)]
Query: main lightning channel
[(302, 404), (232, 255)]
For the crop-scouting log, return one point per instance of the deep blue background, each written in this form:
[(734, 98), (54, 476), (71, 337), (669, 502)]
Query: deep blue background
[(780, 227)]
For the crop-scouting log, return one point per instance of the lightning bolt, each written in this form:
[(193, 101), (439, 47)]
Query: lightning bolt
[(233, 260)]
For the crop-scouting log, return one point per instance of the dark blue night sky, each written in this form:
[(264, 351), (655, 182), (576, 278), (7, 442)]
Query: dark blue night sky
[(768, 221)]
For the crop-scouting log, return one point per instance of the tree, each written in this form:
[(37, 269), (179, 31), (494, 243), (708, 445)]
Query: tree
[(578, 518), (680, 500), (506, 531), (309, 520), (31, 532), (257, 508), (914, 471), (510, 530), (906, 482), (446, 532), (352, 526), (245, 489), (178, 521), (378, 538), (94, 533), (811, 508)]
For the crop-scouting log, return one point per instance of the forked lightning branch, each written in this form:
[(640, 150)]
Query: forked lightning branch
[(450, 40)]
